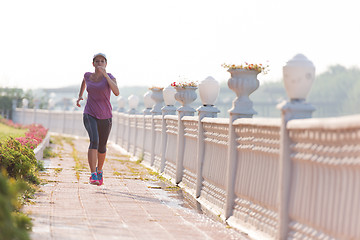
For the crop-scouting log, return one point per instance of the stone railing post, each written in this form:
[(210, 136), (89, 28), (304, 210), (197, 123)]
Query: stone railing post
[(243, 82), (133, 103), (135, 134), (185, 95), (118, 131), (50, 107), (36, 106), (25, 104), (209, 91), (149, 103), (13, 109), (73, 113), (66, 104), (168, 109), (121, 105), (298, 75), (157, 96)]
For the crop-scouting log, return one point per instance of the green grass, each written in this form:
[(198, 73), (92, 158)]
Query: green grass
[(48, 153), (6, 131)]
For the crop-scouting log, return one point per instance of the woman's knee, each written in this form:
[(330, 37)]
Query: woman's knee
[(94, 144), (102, 149)]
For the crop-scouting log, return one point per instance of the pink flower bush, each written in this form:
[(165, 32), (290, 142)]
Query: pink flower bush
[(31, 143), (34, 136), (10, 123)]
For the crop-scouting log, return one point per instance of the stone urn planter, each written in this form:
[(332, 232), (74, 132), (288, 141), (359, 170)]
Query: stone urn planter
[(299, 75), (186, 95), (243, 82), (157, 96)]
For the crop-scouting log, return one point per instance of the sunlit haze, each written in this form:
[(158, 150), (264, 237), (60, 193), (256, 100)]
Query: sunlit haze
[(50, 44)]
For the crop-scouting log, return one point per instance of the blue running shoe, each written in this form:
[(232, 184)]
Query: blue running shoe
[(100, 176), (94, 179)]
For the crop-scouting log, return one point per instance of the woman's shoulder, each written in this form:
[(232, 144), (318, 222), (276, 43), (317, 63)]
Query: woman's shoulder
[(87, 75), (110, 75)]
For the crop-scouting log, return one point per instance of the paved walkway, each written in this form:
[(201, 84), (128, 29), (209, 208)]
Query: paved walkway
[(132, 204)]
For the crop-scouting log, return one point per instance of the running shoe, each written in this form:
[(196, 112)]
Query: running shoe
[(100, 176), (94, 179)]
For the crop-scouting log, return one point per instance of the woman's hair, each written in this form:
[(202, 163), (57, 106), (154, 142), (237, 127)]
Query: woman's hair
[(100, 54)]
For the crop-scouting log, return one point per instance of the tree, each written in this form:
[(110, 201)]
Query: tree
[(338, 90)]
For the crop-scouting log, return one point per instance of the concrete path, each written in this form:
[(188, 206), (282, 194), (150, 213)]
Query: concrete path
[(133, 203)]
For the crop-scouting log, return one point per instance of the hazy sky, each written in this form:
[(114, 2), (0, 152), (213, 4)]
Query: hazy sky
[(46, 43)]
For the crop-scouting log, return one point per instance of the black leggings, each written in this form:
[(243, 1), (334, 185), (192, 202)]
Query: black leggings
[(98, 130)]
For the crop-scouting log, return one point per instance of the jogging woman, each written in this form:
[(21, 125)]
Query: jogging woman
[(97, 115)]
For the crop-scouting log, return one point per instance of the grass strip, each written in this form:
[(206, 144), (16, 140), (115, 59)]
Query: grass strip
[(7, 131)]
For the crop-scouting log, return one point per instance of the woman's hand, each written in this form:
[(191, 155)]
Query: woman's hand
[(102, 70), (78, 101)]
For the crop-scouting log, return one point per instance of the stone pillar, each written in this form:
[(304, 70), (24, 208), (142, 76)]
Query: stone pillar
[(157, 97), (66, 105), (148, 102), (185, 95), (168, 109), (243, 82), (25, 104), (50, 107), (36, 106), (121, 104), (209, 91), (299, 74), (13, 109), (133, 103)]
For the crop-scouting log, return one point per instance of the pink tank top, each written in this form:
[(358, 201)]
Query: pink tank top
[(98, 99)]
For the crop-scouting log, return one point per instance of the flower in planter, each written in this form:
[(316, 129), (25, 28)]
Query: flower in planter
[(249, 66), (184, 84), (156, 88)]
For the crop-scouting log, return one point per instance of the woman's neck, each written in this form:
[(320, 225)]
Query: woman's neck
[(96, 77), (97, 73)]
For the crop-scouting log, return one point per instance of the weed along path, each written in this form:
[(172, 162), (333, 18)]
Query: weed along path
[(133, 203)]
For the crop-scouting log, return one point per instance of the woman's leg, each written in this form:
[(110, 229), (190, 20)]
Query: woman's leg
[(92, 159), (90, 124), (101, 159), (104, 128)]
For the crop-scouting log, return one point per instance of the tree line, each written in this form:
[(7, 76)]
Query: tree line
[(336, 92)]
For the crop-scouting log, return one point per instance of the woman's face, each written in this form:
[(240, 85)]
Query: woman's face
[(99, 61)]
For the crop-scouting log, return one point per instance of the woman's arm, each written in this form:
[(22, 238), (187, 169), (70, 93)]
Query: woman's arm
[(113, 85), (82, 89), (112, 82)]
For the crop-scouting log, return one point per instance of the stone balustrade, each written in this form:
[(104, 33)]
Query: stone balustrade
[(324, 174), (290, 177)]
